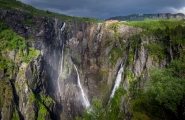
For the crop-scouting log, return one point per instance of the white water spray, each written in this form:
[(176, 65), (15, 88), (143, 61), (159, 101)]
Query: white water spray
[(60, 72), (117, 82), (61, 65), (85, 99), (63, 26)]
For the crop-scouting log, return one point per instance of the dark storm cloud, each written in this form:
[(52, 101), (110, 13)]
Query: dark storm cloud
[(103, 9)]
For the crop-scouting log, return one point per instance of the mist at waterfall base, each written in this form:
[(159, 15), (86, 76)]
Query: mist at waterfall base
[(84, 97)]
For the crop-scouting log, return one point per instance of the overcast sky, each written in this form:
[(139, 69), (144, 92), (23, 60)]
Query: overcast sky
[(104, 9)]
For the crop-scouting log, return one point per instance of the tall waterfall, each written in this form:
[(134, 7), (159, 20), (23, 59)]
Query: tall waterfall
[(60, 71), (85, 99), (63, 27), (61, 62), (121, 69), (118, 81)]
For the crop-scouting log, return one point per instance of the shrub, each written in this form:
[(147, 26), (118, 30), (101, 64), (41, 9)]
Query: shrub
[(164, 93)]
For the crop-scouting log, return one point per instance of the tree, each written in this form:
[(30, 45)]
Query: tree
[(167, 86)]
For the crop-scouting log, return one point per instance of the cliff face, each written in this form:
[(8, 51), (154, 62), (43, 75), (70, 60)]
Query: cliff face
[(40, 89), (31, 81)]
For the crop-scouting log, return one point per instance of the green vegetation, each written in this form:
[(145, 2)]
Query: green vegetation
[(31, 11), (115, 52), (13, 51), (32, 54), (111, 112), (15, 115), (114, 26), (103, 71), (166, 34), (29, 22), (156, 49), (108, 43), (150, 25), (10, 41), (42, 101), (166, 88), (6, 98), (43, 111), (3, 26), (164, 92)]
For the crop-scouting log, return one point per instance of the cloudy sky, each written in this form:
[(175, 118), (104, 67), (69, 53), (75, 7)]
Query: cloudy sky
[(104, 9)]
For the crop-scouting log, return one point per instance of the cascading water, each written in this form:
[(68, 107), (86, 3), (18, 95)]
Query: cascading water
[(63, 27), (118, 81), (60, 72), (85, 99), (118, 77), (61, 63)]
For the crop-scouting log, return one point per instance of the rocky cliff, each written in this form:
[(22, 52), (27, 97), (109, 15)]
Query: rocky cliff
[(39, 89)]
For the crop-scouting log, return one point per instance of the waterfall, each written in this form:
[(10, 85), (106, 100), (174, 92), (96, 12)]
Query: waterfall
[(121, 69), (63, 26), (85, 99), (60, 72), (118, 81), (61, 63)]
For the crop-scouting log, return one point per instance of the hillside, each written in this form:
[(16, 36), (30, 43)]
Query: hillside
[(58, 67), (16, 5), (140, 17)]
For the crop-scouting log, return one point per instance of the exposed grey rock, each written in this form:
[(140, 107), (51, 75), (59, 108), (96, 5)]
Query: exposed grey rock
[(12, 54)]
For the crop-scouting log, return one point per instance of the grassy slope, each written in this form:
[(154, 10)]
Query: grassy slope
[(17, 5), (10, 41), (155, 24)]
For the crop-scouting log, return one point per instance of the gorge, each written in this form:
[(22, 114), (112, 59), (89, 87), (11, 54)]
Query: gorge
[(56, 69)]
